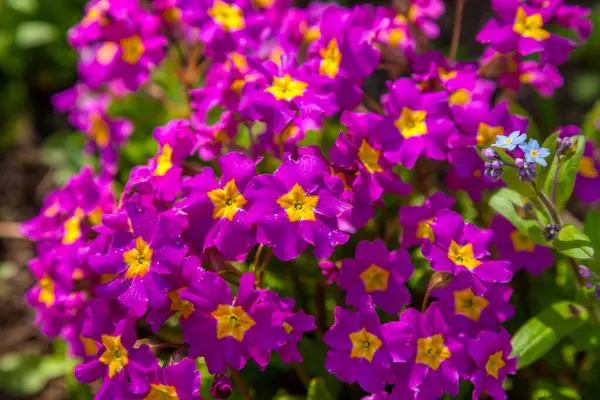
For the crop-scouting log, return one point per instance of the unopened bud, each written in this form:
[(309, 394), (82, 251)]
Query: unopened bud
[(489, 153), (221, 387)]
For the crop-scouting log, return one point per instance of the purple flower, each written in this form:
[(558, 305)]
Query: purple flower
[(219, 208), (416, 220), (423, 14), (221, 388), (379, 273), (124, 368), (544, 78), (468, 313), (522, 28), (422, 120), (463, 247), (430, 358), (491, 353), (227, 332), (141, 257), (189, 271), (178, 381), (294, 208), (358, 349), (131, 46), (361, 150), (515, 247)]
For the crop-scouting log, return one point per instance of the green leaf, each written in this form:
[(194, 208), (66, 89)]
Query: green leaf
[(35, 33), (587, 338), (542, 332), (592, 229), (27, 374), (567, 173), (317, 390), (573, 243), (550, 144), (589, 127), (504, 202)]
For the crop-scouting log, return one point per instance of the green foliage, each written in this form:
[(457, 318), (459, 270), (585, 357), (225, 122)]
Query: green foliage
[(317, 390), (542, 332), (574, 243), (563, 169), (506, 202)]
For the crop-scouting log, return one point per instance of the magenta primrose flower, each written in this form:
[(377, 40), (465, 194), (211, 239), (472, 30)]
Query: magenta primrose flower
[(515, 247), (220, 208), (431, 358), (491, 353), (229, 331), (141, 257), (422, 120), (125, 369), (294, 208), (417, 220), (457, 247), (178, 381), (358, 350), (379, 273)]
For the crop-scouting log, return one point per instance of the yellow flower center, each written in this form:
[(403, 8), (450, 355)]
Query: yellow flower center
[(72, 228), (138, 259), (96, 13), (460, 97), (424, 230), (395, 37), (431, 351), (46, 295), (369, 157), (495, 363), (286, 88), (446, 75), (107, 52), (90, 347), (164, 161), (229, 16), (161, 392), (133, 49), (177, 304), (375, 278), (232, 321), (227, 201), (298, 205), (527, 77), (530, 26), (289, 132), (469, 305), (99, 130), (534, 153), (413, 12), (486, 135), (288, 328), (239, 61), (364, 344), (264, 3), (172, 15), (330, 59), (586, 167), (521, 242), (411, 123), (311, 34), (115, 355), (463, 255), (95, 217)]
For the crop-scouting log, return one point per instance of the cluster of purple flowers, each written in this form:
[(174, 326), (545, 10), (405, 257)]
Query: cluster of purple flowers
[(173, 243)]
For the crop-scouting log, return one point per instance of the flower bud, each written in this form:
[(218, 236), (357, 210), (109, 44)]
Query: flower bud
[(489, 153), (221, 388), (519, 162), (584, 271)]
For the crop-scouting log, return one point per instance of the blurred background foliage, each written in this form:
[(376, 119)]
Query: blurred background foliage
[(39, 150)]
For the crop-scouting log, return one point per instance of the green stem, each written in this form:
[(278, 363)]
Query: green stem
[(548, 204)]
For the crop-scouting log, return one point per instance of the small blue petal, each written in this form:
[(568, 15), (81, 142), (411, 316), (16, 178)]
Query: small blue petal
[(541, 161), (543, 152)]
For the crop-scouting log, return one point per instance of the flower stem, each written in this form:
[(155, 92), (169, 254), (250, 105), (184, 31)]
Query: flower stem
[(458, 17), (548, 204), (241, 384)]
